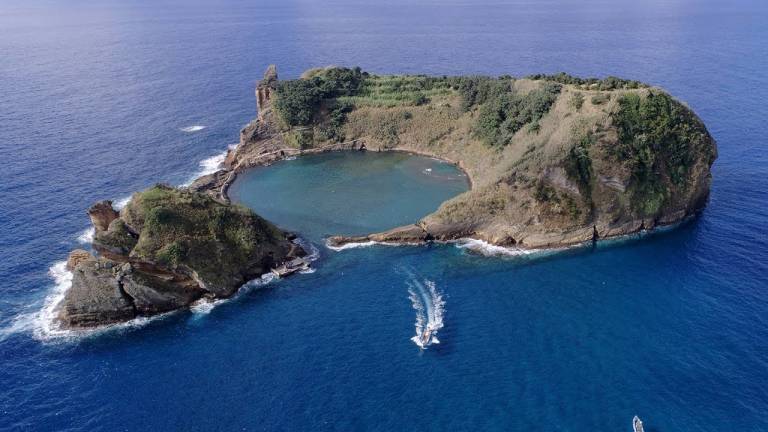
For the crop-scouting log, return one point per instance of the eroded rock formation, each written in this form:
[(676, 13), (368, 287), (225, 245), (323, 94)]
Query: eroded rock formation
[(165, 250)]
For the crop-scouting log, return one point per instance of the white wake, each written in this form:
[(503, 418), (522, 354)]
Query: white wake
[(429, 305)]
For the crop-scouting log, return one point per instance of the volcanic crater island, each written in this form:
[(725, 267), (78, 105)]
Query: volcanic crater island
[(553, 161)]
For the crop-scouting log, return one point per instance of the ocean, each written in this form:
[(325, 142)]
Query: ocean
[(99, 100)]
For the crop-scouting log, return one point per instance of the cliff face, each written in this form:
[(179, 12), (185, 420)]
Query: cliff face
[(554, 160), (166, 249)]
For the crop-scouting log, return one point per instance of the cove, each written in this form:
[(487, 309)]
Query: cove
[(348, 192)]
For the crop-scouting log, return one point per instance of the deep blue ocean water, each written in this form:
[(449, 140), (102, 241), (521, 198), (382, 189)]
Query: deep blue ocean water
[(94, 102)]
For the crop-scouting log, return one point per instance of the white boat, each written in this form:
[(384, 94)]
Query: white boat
[(426, 336), (637, 425)]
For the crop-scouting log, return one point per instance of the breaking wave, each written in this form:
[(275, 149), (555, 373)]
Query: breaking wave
[(429, 305), (488, 249), (86, 236), (193, 128), (346, 246), (205, 306)]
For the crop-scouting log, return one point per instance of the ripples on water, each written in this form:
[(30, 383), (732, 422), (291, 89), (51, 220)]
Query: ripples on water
[(107, 100)]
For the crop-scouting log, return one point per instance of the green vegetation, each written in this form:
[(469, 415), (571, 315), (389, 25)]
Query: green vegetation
[(118, 237), (477, 90), (298, 100), (578, 164), (333, 129), (608, 83), (576, 101), (657, 136), (504, 112), (182, 228), (399, 90)]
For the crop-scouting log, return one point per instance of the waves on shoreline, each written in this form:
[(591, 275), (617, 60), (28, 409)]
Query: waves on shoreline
[(42, 322)]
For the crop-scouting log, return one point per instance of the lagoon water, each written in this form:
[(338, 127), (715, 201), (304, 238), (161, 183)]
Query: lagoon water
[(100, 100)]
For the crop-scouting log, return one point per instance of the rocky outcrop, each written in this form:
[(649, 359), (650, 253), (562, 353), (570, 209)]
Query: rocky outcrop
[(165, 250), (96, 296), (102, 214), (557, 161), (76, 257), (264, 90)]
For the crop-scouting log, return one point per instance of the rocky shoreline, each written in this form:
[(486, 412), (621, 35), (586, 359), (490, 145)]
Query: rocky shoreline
[(263, 142), (571, 179), (167, 249)]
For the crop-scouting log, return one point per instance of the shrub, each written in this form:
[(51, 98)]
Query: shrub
[(298, 100), (577, 100), (608, 83), (656, 135), (507, 112), (579, 163)]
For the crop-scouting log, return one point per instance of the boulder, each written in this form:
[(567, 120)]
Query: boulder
[(76, 257), (102, 214), (95, 297)]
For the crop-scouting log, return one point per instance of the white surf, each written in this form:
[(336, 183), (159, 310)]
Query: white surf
[(193, 128), (429, 305)]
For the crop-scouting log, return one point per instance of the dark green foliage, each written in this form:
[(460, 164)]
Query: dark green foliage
[(333, 129), (118, 237), (505, 112), (172, 254), (419, 99), (476, 90), (608, 83), (298, 100), (657, 135), (579, 163), (545, 193)]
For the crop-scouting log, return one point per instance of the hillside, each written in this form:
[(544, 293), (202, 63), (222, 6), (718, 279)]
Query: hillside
[(553, 160)]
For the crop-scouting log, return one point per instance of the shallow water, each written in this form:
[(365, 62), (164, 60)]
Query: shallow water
[(348, 193), (98, 101)]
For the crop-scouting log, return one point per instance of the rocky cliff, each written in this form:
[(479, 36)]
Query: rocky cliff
[(553, 160), (165, 250)]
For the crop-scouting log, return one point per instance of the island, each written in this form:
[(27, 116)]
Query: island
[(553, 161), (166, 249)]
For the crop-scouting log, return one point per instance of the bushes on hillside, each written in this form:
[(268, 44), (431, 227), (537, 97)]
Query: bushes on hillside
[(298, 100), (656, 134), (505, 112), (608, 83)]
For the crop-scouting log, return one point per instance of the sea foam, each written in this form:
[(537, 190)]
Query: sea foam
[(488, 249), (193, 128)]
